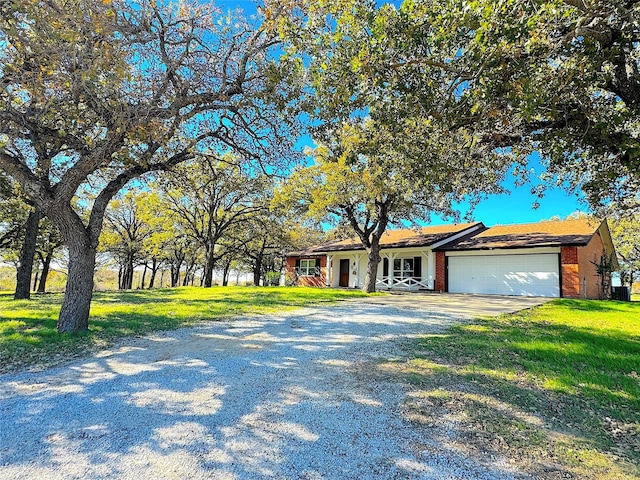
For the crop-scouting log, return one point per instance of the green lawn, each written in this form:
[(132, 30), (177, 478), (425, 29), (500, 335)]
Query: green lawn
[(28, 335), (557, 388)]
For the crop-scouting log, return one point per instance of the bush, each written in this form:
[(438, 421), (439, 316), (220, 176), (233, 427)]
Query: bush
[(272, 279)]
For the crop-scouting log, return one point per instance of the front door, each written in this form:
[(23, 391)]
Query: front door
[(344, 272)]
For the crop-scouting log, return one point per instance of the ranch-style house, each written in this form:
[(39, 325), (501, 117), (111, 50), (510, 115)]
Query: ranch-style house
[(547, 259)]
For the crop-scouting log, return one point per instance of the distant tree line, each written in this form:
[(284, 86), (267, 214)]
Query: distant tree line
[(207, 214)]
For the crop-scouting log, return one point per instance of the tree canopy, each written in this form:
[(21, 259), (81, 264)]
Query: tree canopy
[(392, 147), (368, 179), (626, 238), (559, 77), (95, 94)]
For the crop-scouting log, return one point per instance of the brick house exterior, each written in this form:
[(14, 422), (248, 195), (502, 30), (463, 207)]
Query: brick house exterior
[(318, 278), (407, 259), (570, 273), (588, 283), (579, 244), (554, 259), (440, 272)]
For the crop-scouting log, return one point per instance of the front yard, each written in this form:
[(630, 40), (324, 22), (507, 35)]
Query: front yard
[(555, 389)]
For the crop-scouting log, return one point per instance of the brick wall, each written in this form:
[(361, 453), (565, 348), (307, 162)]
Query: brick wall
[(321, 281), (579, 277), (570, 272), (440, 272), (290, 265), (592, 252)]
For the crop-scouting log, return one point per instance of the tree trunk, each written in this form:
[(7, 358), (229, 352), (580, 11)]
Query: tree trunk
[(257, 270), (154, 270), (208, 268), (373, 259), (35, 281), (175, 274), (129, 278), (124, 277), (144, 274), (46, 264), (74, 314), (187, 276), (28, 251), (225, 274)]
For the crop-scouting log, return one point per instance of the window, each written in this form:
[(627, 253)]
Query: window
[(307, 267), (407, 267)]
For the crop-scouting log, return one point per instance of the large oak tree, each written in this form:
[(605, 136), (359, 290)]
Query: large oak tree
[(392, 147), (210, 196), (95, 94), (368, 179), (560, 77)]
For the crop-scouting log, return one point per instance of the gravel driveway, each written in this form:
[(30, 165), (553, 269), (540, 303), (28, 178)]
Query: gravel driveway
[(270, 397)]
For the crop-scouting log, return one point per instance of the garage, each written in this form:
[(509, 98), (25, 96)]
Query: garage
[(535, 275)]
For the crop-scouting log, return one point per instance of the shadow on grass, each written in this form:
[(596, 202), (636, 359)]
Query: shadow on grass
[(545, 436), (28, 327), (163, 295), (548, 390)]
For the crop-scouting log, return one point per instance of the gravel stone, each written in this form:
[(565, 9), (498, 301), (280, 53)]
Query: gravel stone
[(251, 398)]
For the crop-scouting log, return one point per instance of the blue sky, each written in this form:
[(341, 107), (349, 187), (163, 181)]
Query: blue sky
[(515, 207)]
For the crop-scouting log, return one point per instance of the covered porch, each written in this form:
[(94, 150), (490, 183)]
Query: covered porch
[(402, 269)]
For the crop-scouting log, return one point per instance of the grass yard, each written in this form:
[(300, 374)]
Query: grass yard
[(555, 388), (28, 335)]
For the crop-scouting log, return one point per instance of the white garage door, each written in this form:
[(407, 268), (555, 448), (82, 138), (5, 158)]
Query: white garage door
[(528, 275)]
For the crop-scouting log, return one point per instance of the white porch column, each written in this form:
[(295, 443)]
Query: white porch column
[(431, 268), (391, 257), (329, 270), (356, 260), (426, 269)]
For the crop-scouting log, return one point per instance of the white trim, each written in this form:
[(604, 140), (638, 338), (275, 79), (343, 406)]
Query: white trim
[(458, 235), (308, 268), (503, 251), (408, 283), (444, 241), (357, 257), (431, 267), (390, 256)]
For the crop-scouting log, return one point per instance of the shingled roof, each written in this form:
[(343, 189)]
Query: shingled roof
[(422, 237), (540, 234)]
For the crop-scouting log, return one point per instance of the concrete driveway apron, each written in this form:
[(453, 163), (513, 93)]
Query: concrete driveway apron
[(461, 304)]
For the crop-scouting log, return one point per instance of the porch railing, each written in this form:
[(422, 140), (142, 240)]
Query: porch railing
[(404, 283)]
